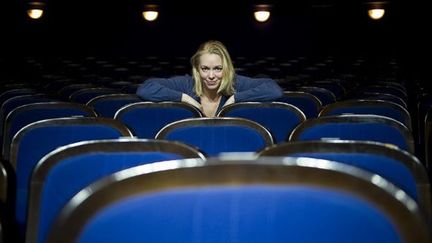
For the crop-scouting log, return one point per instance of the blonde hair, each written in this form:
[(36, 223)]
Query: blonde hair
[(214, 47)]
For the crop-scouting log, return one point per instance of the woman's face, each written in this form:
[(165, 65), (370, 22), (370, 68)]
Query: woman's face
[(210, 70)]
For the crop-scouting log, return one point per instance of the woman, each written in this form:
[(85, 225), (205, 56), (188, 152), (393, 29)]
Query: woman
[(213, 84)]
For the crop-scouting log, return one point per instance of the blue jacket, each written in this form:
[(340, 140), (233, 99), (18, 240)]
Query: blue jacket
[(171, 89)]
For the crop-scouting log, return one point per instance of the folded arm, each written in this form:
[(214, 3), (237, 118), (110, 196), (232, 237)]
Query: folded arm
[(165, 89), (256, 89)]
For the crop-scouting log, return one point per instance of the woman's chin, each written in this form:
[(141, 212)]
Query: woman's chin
[(212, 87)]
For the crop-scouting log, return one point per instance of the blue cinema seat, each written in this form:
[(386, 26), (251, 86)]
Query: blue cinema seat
[(324, 95), (34, 141), (145, 119), (308, 103), (245, 201), (62, 173), (17, 101), (26, 114), (218, 135), (373, 107), (398, 166), (83, 96), (279, 118), (355, 127), (107, 105)]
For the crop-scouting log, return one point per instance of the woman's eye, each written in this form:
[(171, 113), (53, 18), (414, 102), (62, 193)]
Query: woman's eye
[(204, 68)]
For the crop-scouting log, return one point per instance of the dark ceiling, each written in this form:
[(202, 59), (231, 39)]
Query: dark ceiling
[(97, 27)]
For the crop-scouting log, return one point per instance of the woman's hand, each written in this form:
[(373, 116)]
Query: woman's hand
[(187, 99), (229, 101)]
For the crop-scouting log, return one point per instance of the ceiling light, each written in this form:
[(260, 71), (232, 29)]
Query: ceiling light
[(262, 12)]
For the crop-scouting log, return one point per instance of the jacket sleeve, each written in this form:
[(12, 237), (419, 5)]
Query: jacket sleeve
[(256, 89), (165, 89)]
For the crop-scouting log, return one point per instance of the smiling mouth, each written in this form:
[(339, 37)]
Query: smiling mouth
[(211, 83)]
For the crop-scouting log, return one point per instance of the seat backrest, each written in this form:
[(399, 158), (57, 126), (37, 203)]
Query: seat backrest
[(398, 166), (424, 104), (355, 127), (7, 94), (374, 107), (279, 118), (308, 103), (37, 139), (17, 101), (218, 135), (83, 96), (67, 90), (145, 119), (334, 86), (4, 183), (130, 89), (428, 139), (65, 171), (324, 95), (26, 114), (107, 105), (380, 96), (385, 89), (281, 200)]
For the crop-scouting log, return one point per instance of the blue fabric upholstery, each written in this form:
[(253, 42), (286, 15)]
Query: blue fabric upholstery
[(304, 103), (355, 131), (12, 103), (372, 109), (213, 140), (15, 92), (38, 141), (241, 214), (145, 122), (20, 120), (72, 174), (279, 121), (85, 95), (15, 102), (392, 170), (324, 95), (107, 107), (26, 116)]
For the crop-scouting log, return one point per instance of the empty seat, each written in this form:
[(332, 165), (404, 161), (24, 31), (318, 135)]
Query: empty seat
[(63, 172), (279, 118), (67, 90), (37, 139), (384, 89), (333, 85), (324, 95), (428, 140), (7, 94), (26, 114), (396, 165), (308, 103), (268, 200), (17, 101), (218, 135), (355, 127), (107, 105), (83, 96), (379, 96), (145, 119), (374, 107)]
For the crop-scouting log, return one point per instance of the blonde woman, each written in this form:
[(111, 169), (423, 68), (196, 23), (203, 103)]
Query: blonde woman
[(213, 83)]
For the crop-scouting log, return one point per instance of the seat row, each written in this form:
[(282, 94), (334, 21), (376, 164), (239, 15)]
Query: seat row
[(209, 135), (62, 173)]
